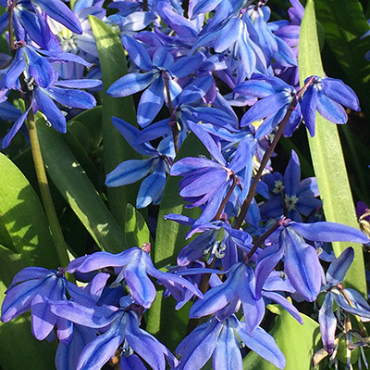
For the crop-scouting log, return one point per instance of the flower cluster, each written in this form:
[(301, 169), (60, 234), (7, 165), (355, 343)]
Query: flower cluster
[(226, 74)]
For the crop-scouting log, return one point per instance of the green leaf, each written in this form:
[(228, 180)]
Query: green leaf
[(20, 229), (344, 23), (327, 156), (170, 239), (72, 182), (18, 347), (113, 64), (93, 121), (136, 229), (297, 342)]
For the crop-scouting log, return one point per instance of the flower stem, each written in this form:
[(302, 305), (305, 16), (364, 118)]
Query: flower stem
[(56, 231), (267, 156)]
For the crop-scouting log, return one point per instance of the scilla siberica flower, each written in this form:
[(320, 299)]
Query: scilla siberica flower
[(35, 288), (327, 95), (155, 168), (123, 332), (133, 266), (30, 16), (42, 82), (347, 299)]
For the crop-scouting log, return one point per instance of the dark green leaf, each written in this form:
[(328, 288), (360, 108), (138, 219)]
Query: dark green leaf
[(23, 232), (72, 182), (327, 156), (136, 229), (113, 64)]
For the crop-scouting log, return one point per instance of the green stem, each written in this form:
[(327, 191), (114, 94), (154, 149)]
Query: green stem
[(47, 200)]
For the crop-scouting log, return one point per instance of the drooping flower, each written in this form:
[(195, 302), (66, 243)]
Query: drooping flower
[(327, 95), (133, 266)]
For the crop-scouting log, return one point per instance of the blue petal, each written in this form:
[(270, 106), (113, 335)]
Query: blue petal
[(209, 143), (100, 350), (79, 84), (15, 128), (331, 110), (131, 84), (227, 354), (199, 345), (339, 267), (328, 323), (100, 260), (39, 68), (162, 58), (61, 13), (151, 188), (52, 113), (309, 106), (186, 65), (129, 172), (329, 232), (17, 67), (144, 344), (138, 53), (253, 308), (263, 344), (292, 175), (141, 288), (131, 133), (218, 297), (91, 317), (302, 265), (71, 98), (341, 93), (18, 299), (151, 102), (195, 90), (266, 262), (132, 362)]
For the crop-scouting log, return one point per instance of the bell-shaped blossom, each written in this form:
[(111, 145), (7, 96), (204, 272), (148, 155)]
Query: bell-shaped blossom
[(133, 266), (207, 182), (219, 339), (207, 241), (289, 195), (154, 169), (240, 283), (35, 288), (121, 327), (158, 72), (28, 18), (275, 99), (348, 300), (43, 85), (301, 262), (327, 95)]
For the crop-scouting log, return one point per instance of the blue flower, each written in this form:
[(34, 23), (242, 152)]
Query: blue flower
[(158, 72), (35, 288), (218, 338), (327, 95), (276, 97), (133, 266), (301, 262), (347, 299), (156, 167), (122, 329), (289, 195)]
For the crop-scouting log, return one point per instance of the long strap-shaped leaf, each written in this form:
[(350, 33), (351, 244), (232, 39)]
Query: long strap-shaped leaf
[(327, 156), (116, 150)]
